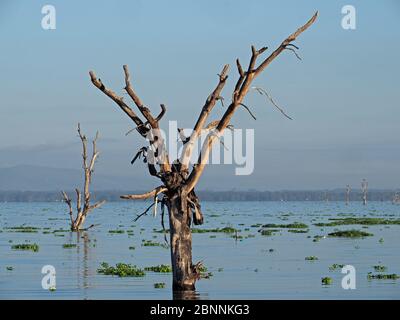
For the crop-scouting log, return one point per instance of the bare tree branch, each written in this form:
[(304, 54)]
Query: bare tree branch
[(241, 89), (120, 102), (264, 92), (248, 110), (67, 200), (208, 106), (145, 111), (78, 200), (144, 213), (141, 126), (146, 195)]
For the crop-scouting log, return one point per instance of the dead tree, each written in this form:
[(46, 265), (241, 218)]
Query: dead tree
[(396, 198), (348, 189), (88, 168), (179, 178), (364, 190)]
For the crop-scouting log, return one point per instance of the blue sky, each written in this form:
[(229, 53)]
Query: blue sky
[(343, 95)]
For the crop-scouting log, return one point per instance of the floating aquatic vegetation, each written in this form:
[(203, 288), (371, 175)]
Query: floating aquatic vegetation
[(25, 246), (164, 268), (121, 270), (116, 231), (381, 276), (361, 221), (380, 268), (326, 281), (159, 285), (312, 258), (336, 266), (294, 225), (69, 245), (132, 248), (298, 231), (10, 268), (256, 225), (350, 234), (216, 230), (268, 232), (25, 229), (150, 243)]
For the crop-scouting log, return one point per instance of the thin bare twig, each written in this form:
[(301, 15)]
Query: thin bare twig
[(264, 92)]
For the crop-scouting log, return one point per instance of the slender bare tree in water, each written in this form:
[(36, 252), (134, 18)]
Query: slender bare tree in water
[(88, 168), (179, 178), (396, 198), (348, 189), (364, 190)]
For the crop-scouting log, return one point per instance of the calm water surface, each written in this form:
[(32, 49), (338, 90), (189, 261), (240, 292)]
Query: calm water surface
[(242, 268)]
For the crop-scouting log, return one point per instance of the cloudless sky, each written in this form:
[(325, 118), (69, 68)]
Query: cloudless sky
[(343, 95)]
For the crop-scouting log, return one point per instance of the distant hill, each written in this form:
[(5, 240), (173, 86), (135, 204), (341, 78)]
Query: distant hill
[(37, 178)]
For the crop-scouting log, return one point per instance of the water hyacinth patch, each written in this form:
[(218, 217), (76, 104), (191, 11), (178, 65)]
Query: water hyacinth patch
[(159, 285), (121, 270), (350, 234), (160, 268), (326, 281), (29, 247)]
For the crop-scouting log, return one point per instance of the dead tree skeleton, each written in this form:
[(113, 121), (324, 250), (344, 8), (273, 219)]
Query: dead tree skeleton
[(348, 189), (88, 168), (178, 181), (364, 190)]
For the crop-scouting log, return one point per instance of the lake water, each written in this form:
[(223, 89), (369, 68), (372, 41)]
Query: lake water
[(242, 268)]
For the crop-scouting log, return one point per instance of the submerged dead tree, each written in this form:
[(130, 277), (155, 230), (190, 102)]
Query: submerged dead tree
[(88, 168), (178, 178), (364, 190), (348, 189)]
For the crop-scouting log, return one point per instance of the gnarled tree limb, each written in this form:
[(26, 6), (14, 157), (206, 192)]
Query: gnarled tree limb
[(241, 89), (208, 106), (141, 126), (146, 195), (81, 212)]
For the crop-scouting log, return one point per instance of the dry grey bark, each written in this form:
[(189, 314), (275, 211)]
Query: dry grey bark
[(88, 168), (364, 189), (177, 180), (348, 189)]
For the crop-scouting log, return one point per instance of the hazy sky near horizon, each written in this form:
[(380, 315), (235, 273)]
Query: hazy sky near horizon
[(343, 95)]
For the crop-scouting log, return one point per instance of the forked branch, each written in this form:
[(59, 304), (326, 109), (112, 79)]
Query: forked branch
[(241, 89), (81, 212), (149, 128)]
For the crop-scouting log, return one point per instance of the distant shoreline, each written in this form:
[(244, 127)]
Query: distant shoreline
[(312, 195)]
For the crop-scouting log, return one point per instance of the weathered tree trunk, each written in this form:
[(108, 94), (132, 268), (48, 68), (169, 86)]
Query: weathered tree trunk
[(178, 178), (348, 189), (184, 274), (81, 213), (364, 188)]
